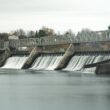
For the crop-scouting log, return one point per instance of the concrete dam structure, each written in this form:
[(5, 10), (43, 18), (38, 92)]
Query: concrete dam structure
[(66, 55), (71, 60)]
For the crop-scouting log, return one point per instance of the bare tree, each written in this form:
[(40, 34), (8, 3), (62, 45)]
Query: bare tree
[(20, 33), (31, 34)]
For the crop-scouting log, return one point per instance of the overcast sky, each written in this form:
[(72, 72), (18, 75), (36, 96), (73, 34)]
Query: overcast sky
[(60, 15)]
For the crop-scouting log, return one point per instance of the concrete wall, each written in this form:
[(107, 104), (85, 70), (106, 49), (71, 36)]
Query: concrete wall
[(55, 48), (92, 47), (4, 56), (35, 52), (103, 69), (66, 57)]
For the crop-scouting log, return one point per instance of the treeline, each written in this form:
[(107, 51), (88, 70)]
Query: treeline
[(21, 34), (44, 31), (4, 36)]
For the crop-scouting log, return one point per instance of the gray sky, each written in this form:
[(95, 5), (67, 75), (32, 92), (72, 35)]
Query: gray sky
[(60, 15)]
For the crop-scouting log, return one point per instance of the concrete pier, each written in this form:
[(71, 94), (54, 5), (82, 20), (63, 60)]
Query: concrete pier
[(4, 56), (66, 58), (35, 52), (103, 69)]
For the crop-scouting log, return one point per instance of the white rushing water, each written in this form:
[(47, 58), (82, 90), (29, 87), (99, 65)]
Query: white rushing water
[(46, 62), (78, 61), (15, 62), (51, 61)]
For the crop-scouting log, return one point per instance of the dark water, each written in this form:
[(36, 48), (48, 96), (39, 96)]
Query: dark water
[(53, 90)]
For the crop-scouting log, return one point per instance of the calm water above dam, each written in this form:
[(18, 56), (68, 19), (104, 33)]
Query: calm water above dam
[(53, 90)]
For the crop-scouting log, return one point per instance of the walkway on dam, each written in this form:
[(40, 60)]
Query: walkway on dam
[(93, 37)]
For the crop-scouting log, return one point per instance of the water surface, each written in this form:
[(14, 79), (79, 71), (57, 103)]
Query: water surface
[(53, 90)]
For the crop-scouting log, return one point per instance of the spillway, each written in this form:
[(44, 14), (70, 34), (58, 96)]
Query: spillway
[(15, 62), (77, 62), (47, 62)]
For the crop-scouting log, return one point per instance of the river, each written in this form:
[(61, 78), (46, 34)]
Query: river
[(53, 90)]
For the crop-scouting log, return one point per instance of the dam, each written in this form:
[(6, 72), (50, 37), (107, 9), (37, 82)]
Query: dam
[(51, 61), (85, 53), (79, 60)]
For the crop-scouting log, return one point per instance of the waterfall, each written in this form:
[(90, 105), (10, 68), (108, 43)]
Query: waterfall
[(47, 62), (78, 61), (15, 62), (97, 59)]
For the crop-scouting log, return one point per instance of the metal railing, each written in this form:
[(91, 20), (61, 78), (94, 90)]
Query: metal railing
[(80, 38), (55, 40), (28, 42)]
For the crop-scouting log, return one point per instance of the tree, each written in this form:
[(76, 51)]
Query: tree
[(69, 33), (109, 27), (36, 34), (44, 31), (4, 36), (50, 32), (88, 35), (84, 35), (31, 34), (20, 33)]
